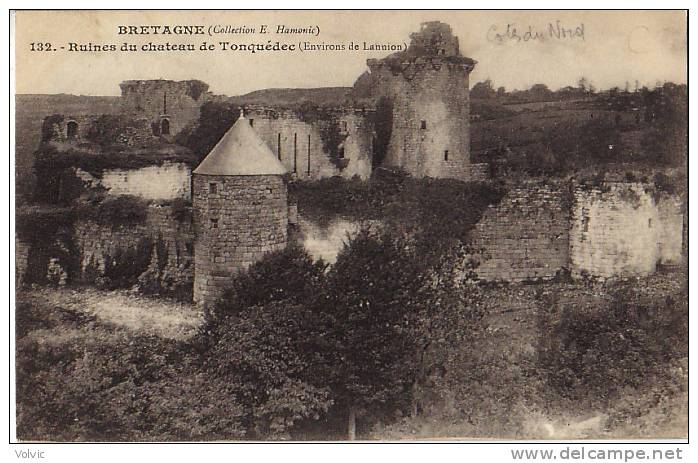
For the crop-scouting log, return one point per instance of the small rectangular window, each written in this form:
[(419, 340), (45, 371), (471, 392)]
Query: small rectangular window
[(341, 153), (445, 155), (213, 188), (251, 122), (424, 125), (214, 223)]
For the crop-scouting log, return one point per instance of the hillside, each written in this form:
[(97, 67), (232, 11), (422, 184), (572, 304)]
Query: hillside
[(326, 96)]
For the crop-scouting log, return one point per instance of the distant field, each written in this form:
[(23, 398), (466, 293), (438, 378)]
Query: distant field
[(291, 96), (528, 125), (29, 116)]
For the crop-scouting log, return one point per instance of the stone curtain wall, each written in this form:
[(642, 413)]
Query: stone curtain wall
[(612, 230), (524, 237), (167, 181), (620, 229), (237, 221), (434, 91), (163, 227), (285, 134)]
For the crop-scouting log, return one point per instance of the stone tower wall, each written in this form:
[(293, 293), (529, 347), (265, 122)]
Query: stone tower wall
[(244, 218), (435, 91), (155, 100)]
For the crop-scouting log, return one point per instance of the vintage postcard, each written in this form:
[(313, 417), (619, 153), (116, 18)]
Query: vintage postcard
[(350, 225)]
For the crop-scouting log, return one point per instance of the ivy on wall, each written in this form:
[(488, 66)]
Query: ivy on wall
[(328, 123)]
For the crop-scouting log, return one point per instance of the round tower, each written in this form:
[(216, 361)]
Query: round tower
[(427, 88), (240, 210)]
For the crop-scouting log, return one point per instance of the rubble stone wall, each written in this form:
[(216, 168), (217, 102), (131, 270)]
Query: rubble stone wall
[(156, 100), (170, 232), (524, 237)]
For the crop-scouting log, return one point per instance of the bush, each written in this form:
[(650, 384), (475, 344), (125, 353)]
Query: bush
[(288, 275), (123, 268), (71, 386), (117, 211), (595, 353)]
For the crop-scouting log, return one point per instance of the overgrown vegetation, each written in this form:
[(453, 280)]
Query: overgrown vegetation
[(289, 348), (595, 353), (436, 214), (215, 119)]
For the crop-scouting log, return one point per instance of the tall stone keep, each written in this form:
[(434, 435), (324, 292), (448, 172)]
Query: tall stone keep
[(426, 87), (240, 210)]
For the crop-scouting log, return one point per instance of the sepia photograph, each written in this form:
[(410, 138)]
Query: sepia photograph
[(349, 225)]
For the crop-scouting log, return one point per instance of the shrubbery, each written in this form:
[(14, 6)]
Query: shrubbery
[(290, 275), (435, 214), (594, 353)]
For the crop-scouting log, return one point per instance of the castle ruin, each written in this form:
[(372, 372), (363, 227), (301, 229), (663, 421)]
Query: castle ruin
[(240, 210), (427, 87)]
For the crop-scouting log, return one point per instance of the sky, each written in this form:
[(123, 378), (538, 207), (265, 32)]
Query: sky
[(609, 48)]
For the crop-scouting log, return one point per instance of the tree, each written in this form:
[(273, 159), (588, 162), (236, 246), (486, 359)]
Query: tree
[(583, 84), (376, 292), (215, 119), (268, 340), (274, 358), (666, 142), (483, 90), (540, 92), (287, 275)]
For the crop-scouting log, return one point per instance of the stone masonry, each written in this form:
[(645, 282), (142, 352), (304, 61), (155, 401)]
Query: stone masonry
[(299, 146), (609, 230), (623, 229), (168, 181), (428, 87), (168, 105), (237, 221), (525, 236), (95, 242)]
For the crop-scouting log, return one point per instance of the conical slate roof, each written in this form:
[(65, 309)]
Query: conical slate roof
[(240, 152)]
